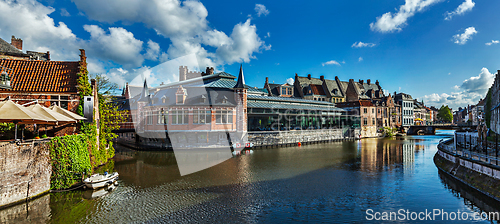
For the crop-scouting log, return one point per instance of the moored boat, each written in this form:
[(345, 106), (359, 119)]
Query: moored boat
[(100, 180)]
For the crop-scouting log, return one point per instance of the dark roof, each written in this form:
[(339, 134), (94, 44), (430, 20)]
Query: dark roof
[(287, 99), (241, 80), (8, 49), (317, 89), (42, 76), (357, 103), (195, 96)]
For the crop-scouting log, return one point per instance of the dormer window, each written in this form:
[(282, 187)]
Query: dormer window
[(224, 99), (164, 99), (4, 80), (286, 90), (180, 95), (203, 99)]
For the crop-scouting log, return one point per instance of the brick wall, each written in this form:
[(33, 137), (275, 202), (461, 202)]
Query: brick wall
[(20, 166)]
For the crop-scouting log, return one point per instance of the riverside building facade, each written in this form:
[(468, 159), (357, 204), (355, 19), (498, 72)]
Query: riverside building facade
[(214, 107)]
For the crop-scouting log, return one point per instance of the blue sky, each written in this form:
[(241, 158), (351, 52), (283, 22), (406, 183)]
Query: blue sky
[(440, 51)]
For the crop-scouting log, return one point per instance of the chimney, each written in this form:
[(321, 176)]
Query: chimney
[(361, 81), (48, 56), (16, 42), (83, 58), (377, 83), (322, 78), (267, 80), (182, 73), (368, 82), (309, 76), (209, 71), (92, 83)]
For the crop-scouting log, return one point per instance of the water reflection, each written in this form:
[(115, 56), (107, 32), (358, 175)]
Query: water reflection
[(332, 182), (474, 200)]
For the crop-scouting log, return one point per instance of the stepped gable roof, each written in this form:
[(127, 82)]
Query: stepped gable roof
[(42, 76)]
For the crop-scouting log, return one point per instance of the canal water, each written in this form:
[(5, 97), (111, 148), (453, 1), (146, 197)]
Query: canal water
[(332, 182)]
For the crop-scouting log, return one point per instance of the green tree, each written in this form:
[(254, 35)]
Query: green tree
[(110, 116), (444, 114)]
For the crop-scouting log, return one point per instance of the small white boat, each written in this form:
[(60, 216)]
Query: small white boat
[(90, 194), (100, 180)]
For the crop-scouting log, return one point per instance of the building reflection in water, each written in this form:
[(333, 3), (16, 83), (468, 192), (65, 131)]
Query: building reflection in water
[(376, 154)]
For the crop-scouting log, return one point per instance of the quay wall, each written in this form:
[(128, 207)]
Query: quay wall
[(25, 171), (259, 139), (283, 138), (478, 175)]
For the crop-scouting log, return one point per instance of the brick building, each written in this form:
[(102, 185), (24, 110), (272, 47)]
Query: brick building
[(368, 115), (26, 79)]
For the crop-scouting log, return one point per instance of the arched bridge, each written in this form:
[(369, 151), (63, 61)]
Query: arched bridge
[(431, 129)]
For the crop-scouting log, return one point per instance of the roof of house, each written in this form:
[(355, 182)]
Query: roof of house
[(240, 84), (6, 48), (42, 76), (317, 89), (357, 103), (331, 86)]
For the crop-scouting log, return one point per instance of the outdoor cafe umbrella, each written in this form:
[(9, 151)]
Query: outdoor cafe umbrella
[(66, 113), (57, 117), (11, 112)]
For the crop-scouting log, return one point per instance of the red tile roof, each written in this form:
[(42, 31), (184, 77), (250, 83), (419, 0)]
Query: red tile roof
[(42, 76), (317, 89)]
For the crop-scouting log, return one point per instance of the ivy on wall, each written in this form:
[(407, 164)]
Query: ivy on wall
[(70, 160), (76, 155)]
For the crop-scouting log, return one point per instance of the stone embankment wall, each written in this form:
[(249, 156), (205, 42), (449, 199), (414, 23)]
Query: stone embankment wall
[(479, 175), (24, 171), (305, 136)]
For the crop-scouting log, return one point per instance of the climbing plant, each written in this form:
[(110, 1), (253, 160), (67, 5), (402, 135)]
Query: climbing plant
[(70, 160)]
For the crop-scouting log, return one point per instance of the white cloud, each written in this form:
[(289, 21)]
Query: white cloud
[(261, 10), (480, 83), (119, 45), (332, 62), (65, 12), (469, 93), (464, 37), (167, 17), (243, 42), (462, 8), (492, 42), (185, 24), (30, 21), (152, 51), (361, 44), (390, 22), (290, 81), (360, 59), (267, 35)]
